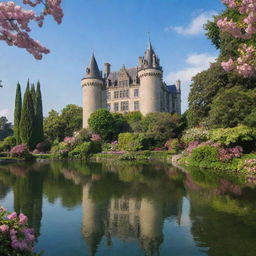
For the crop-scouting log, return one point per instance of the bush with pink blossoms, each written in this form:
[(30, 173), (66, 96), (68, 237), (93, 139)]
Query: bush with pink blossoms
[(173, 145), (15, 235), (21, 151), (227, 154), (96, 137)]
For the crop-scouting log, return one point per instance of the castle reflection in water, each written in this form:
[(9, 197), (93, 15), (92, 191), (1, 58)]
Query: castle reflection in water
[(132, 202)]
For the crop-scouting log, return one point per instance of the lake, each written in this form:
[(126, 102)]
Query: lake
[(132, 208)]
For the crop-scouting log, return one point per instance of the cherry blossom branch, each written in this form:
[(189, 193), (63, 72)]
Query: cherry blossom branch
[(15, 21)]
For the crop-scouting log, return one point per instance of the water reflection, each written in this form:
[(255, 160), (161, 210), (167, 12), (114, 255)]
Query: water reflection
[(132, 202)]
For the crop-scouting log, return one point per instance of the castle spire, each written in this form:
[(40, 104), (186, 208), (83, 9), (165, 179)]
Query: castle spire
[(93, 70)]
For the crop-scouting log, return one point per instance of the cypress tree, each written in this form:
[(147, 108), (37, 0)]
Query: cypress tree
[(27, 120), (17, 114), (39, 114), (33, 94)]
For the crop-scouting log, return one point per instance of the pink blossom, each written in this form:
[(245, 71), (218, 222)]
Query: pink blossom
[(228, 66), (4, 228), (22, 219), (11, 216), (96, 137)]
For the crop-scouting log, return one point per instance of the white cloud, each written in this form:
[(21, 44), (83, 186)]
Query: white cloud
[(7, 113), (196, 25), (195, 64)]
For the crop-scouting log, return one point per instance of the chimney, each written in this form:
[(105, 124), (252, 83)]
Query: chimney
[(178, 85), (106, 69)]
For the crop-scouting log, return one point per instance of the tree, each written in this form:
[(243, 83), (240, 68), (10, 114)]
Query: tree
[(27, 121), (231, 107), (102, 122), (15, 23), (39, 130), (33, 95), (72, 116), (5, 128), (54, 126), (160, 126), (17, 114)]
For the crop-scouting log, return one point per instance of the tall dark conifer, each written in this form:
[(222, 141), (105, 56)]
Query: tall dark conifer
[(39, 114), (27, 120), (17, 114), (33, 94)]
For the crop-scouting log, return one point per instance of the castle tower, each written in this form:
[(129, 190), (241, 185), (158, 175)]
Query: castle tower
[(150, 75), (93, 91)]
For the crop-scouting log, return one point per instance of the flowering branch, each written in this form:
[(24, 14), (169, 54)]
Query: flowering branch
[(244, 28), (15, 21)]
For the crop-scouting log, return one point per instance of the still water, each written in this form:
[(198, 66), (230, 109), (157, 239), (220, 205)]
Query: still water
[(130, 208)]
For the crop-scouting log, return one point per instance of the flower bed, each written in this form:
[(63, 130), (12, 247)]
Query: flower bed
[(16, 237)]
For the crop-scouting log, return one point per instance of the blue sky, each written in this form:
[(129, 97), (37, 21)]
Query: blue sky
[(117, 31)]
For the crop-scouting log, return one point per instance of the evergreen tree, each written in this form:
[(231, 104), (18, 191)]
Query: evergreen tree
[(33, 94), (17, 114), (27, 120), (39, 131)]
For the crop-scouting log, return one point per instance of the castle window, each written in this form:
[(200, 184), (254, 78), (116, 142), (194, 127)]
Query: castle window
[(108, 95), (109, 107), (136, 105), (127, 93), (116, 106), (121, 94), (124, 106), (136, 92), (116, 94)]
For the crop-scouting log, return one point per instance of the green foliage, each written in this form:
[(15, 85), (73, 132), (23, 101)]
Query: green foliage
[(204, 156), (104, 123), (84, 135), (81, 151), (250, 120), (58, 126), (231, 106), (130, 141), (54, 126), (206, 85), (7, 143), (27, 121), (39, 131), (195, 134), (233, 136), (5, 128), (128, 156), (17, 114), (173, 145), (72, 116), (161, 126)]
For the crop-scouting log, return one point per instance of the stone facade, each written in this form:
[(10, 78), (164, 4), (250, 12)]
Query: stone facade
[(130, 89)]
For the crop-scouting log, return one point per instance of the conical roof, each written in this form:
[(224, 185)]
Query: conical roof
[(93, 70)]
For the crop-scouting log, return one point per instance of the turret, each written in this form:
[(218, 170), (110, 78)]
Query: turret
[(178, 84), (93, 91), (150, 75)]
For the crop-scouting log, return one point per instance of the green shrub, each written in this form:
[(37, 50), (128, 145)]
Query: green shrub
[(240, 135), (173, 145), (81, 151), (130, 141), (128, 157), (7, 143), (96, 147), (106, 147), (204, 156)]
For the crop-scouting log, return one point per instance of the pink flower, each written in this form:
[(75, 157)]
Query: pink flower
[(12, 216), (4, 228), (22, 219)]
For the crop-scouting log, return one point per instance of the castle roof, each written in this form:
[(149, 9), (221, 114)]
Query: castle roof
[(132, 73), (93, 70), (171, 88)]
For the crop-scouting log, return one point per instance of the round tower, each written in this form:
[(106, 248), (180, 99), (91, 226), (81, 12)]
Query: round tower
[(93, 91), (150, 74)]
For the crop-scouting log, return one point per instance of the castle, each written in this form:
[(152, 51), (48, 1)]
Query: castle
[(139, 88)]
